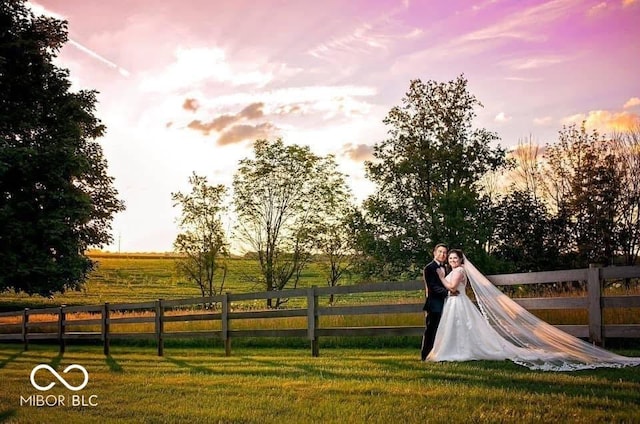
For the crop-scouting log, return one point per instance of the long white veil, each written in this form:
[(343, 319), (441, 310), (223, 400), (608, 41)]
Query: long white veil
[(545, 346)]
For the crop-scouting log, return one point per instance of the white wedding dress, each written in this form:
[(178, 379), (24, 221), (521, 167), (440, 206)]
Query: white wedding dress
[(506, 331)]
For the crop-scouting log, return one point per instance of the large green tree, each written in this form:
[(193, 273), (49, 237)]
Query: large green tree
[(524, 234), (56, 198), (281, 198), (202, 241), (427, 174)]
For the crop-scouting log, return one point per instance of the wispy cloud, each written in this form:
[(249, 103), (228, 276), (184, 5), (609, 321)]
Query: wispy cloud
[(481, 6), (598, 8), (328, 100), (200, 66), (523, 79), (102, 59), (535, 62), (41, 10), (366, 38), (543, 121), (525, 25), (195, 66)]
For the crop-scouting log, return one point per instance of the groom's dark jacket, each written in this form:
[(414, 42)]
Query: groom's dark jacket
[(436, 291)]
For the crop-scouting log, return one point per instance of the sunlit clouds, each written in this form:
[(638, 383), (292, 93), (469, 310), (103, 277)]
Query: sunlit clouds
[(233, 128), (606, 121), (502, 117), (359, 152), (632, 102), (195, 66), (189, 89)]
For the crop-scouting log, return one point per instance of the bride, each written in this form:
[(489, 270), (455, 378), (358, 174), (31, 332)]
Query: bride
[(502, 329)]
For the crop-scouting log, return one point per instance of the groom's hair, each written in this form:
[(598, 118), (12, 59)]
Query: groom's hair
[(440, 245)]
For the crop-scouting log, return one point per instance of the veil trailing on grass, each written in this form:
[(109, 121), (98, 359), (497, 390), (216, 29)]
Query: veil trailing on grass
[(547, 348)]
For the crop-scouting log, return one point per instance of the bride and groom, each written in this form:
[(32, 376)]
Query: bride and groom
[(499, 328)]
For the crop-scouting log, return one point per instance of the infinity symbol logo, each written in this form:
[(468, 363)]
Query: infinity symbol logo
[(59, 377)]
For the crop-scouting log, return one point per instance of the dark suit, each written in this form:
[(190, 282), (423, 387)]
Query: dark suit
[(436, 294)]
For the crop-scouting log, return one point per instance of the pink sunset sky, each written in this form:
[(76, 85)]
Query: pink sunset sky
[(188, 85)]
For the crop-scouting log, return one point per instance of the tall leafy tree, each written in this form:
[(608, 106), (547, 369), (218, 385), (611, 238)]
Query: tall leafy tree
[(336, 236), (427, 174), (56, 198), (525, 238), (280, 198), (202, 240)]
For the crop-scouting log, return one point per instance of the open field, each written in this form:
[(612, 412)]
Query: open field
[(287, 385), (139, 278), (266, 380), (143, 277)]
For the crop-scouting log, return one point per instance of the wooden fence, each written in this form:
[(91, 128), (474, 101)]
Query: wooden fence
[(594, 302)]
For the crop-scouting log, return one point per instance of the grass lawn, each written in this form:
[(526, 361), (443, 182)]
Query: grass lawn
[(287, 385)]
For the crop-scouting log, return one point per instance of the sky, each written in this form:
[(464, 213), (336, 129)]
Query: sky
[(188, 86)]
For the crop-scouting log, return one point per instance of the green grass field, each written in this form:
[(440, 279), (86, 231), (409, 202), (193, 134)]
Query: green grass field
[(139, 278), (273, 385), (144, 277), (355, 380)]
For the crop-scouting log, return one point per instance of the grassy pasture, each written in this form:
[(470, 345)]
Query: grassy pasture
[(273, 385), (355, 380), (143, 277), (137, 278)]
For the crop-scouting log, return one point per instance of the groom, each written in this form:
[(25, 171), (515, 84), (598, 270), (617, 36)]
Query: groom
[(436, 293)]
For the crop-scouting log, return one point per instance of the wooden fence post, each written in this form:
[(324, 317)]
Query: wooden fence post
[(312, 320), (594, 288), (225, 324), (160, 326), (61, 327), (25, 329), (105, 328)]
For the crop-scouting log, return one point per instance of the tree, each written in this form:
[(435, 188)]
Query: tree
[(627, 147), (524, 236), (336, 239), (584, 183), (526, 173), (202, 242), (280, 199), (427, 175), (56, 198)]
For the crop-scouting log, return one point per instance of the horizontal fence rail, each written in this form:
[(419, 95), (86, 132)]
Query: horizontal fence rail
[(61, 326)]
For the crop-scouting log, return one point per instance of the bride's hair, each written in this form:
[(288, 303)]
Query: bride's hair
[(459, 253)]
